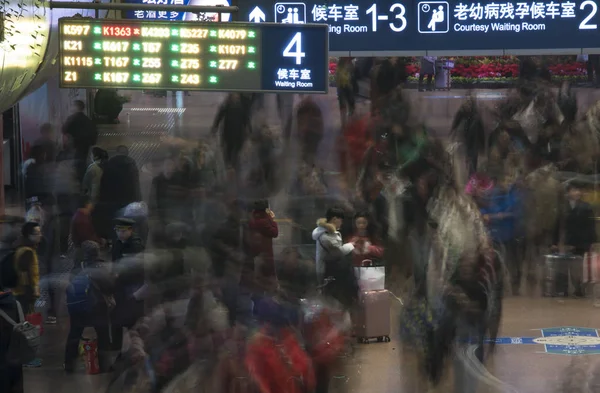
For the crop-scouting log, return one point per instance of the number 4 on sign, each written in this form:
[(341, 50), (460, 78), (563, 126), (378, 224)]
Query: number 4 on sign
[(294, 48)]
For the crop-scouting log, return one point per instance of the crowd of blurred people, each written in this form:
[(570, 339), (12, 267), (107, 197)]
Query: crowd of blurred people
[(202, 287)]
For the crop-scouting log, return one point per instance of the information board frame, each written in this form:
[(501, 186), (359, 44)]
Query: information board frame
[(318, 85)]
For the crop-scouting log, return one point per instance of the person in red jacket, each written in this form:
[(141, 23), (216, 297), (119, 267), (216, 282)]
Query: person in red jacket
[(365, 245), (82, 228), (262, 229)]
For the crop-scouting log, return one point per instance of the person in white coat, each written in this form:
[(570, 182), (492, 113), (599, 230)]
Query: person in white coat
[(329, 241)]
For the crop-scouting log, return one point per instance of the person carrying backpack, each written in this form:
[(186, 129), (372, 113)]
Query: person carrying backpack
[(11, 375), (89, 302), (163, 338), (24, 260)]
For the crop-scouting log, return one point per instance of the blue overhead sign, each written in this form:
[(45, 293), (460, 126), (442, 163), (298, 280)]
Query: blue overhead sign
[(390, 27)]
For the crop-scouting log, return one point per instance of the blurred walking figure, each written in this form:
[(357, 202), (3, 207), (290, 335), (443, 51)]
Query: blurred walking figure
[(82, 229), (119, 186), (234, 114), (11, 375), (593, 69), (467, 127), (130, 273), (67, 190), (347, 87), (11, 230), (89, 301), (90, 185), (46, 142), (501, 209), (84, 135), (25, 259), (427, 68), (262, 229), (168, 195), (27, 266), (36, 172), (575, 237)]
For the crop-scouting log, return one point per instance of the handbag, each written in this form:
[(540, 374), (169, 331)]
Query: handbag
[(370, 276), (24, 339), (37, 320)]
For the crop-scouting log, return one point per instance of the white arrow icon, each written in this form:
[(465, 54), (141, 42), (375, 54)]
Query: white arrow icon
[(257, 15)]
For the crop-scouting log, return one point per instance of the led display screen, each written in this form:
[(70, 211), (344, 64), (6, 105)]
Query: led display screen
[(381, 28), (177, 55)]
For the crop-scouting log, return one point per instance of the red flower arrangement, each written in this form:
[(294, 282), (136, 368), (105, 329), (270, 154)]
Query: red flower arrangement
[(332, 67), (412, 69), (568, 69), (486, 70), (501, 67), (481, 67)]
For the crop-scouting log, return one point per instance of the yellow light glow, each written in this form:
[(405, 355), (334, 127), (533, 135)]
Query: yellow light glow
[(19, 50)]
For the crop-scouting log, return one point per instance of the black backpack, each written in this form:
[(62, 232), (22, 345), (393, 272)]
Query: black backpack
[(8, 274), (24, 340)]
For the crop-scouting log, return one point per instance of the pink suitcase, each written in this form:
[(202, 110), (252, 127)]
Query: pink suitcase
[(372, 317)]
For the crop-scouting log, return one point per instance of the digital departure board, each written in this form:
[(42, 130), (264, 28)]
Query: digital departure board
[(177, 55)]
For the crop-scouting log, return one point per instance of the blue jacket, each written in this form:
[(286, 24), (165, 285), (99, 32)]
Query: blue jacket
[(501, 201)]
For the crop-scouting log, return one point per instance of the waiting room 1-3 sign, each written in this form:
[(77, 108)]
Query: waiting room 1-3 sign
[(141, 54), (381, 28)]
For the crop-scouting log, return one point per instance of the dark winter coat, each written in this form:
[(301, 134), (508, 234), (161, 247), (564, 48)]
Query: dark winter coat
[(261, 231), (82, 131), (11, 376)]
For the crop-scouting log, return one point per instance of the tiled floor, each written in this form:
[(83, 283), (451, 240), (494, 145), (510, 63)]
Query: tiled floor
[(377, 367), (386, 368)]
